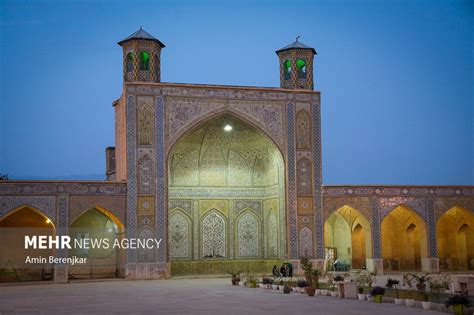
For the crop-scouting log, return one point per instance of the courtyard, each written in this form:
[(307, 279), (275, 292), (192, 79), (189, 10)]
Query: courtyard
[(177, 296)]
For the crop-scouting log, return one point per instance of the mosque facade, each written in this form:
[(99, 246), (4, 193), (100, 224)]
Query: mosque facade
[(230, 178)]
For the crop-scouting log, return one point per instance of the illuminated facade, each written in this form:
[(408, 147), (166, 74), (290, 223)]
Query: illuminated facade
[(230, 177)]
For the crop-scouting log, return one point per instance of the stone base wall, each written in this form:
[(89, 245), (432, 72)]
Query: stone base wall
[(147, 271), (223, 267)]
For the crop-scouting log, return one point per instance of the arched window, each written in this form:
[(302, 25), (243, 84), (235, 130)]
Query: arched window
[(287, 70), (301, 66), (144, 60), (129, 64)]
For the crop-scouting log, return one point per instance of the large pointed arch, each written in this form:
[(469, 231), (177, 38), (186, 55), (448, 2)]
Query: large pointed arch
[(404, 239), (230, 113), (27, 207), (231, 171), (455, 239), (102, 262), (348, 232), (22, 221)]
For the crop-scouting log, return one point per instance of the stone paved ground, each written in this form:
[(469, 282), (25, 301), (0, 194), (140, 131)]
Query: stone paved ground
[(197, 296)]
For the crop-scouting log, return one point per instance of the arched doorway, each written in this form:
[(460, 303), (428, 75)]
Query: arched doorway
[(226, 197), (21, 222), (102, 261), (347, 239), (404, 239), (455, 239)]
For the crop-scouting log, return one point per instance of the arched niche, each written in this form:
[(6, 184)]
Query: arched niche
[(180, 235), (348, 233), (102, 261), (14, 226), (214, 235), (248, 233), (404, 239), (455, 239)]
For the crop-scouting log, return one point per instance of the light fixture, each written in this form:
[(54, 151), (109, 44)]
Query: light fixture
[(227, 127)]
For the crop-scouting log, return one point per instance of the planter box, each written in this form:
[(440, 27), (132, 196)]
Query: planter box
[(361, 297), (426, 305), (410, 302), (378, 298), (399, 301)]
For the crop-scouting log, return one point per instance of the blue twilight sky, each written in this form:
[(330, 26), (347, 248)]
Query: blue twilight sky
[(396, 78)]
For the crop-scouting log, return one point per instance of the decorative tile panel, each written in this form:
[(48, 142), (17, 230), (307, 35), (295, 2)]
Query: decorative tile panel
[(306, 242), (161, 189), (317, 177), (146, 205), (180, 236), (248, 236), (45, 204), (292, 216), (131, 177), (213, 231)]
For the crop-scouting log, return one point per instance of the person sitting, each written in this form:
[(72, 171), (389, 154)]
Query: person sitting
[(275, 272), (289, 268)]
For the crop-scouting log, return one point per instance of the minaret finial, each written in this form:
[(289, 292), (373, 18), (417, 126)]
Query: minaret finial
[(298, 37)]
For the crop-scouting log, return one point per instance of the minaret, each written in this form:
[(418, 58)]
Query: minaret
[(296, 66), (141, 57)]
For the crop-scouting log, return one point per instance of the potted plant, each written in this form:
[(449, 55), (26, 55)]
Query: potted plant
[(458, 302), (324, 290), (425, 303), (250, 282), (267, 282), (311, 275), (360, 295), (302, 284), (371, 277), (286, 289), (281, 285), (331, 284), (377, 293), (421, 281), (310, 290), (307, 267), (361, 281), (391, 283), (235, 277), (439, 284), (409, 301), (315, 274), (293, 285)]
